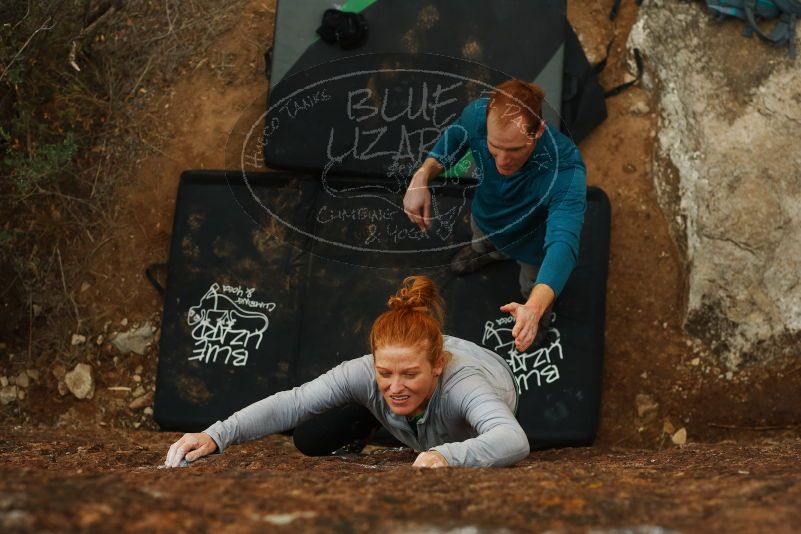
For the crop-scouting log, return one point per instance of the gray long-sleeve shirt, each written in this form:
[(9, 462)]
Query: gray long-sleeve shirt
[(469, 418)]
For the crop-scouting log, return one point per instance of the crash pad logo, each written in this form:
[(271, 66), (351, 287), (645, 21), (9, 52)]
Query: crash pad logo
[(531, 369), (223, 330)]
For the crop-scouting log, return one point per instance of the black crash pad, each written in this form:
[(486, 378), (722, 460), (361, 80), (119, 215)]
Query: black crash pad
[(463, 47), (276, 278)]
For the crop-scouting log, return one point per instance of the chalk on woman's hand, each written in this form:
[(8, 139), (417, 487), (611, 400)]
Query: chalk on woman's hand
[(182, 463)]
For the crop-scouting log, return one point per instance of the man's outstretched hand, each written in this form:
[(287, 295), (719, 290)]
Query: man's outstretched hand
[(526, 324), (527, 316)]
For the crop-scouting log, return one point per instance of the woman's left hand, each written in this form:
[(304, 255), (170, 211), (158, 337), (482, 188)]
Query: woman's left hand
[(430, 459)]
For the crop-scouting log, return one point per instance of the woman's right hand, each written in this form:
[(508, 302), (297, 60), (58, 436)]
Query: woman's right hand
[(191, 447)]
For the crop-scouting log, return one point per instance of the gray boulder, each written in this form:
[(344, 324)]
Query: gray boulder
[(728, 176)]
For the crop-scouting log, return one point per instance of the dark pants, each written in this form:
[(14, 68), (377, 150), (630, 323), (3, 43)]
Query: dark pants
[(325, 433), (528, 273)]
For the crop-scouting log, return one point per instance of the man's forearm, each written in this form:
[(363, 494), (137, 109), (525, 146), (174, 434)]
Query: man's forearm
[(429, 170), (540, 298)]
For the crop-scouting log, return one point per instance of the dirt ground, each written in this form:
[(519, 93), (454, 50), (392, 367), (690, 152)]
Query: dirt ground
[(111, 481), (70, 464)]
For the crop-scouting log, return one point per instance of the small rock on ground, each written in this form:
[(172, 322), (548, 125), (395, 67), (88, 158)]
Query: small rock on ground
[(8, 394), (135, 340), (647, 407), (80, 382)]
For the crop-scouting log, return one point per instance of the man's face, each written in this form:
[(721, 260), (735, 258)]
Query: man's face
[(405, 378), (509, 143)]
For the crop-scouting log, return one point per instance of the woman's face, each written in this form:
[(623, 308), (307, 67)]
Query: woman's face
[(405, 378)]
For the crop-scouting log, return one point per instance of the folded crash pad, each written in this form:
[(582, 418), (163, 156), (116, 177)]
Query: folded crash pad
[(275, 278), (321, 96)]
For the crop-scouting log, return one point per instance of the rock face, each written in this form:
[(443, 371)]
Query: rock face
[(728, 176)]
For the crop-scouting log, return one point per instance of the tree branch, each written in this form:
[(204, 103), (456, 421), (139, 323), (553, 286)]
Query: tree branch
[(43, 27)]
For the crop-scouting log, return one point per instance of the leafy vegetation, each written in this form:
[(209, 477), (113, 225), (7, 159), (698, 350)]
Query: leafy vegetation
[(73, 89)]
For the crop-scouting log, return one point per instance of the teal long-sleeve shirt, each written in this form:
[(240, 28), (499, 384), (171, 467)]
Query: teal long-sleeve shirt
[(536, 214)]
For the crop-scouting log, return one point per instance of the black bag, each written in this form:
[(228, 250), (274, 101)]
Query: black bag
[(347, 29), (583, 102)]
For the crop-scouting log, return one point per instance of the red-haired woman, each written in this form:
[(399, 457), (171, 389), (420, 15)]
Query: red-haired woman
[(444, 396)]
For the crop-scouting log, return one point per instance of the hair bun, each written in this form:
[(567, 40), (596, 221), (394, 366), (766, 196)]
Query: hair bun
[(419, 294), (414, 319)]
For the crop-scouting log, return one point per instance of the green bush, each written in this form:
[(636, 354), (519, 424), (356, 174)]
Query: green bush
[(41, 170)]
